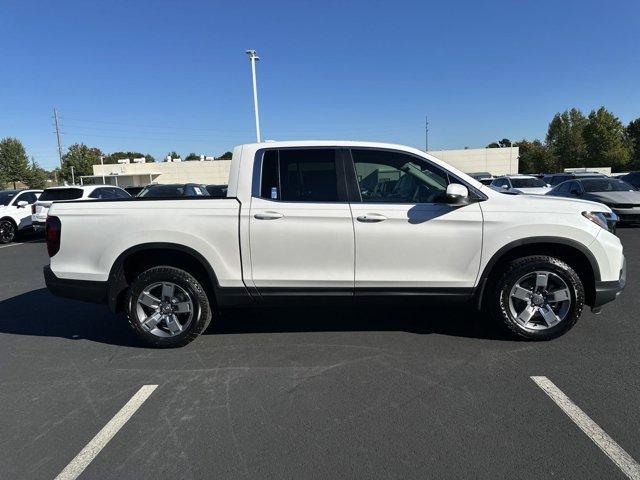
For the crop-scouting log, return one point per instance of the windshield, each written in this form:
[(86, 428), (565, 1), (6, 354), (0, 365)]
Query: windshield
[(605, 185), (6, 197), (527, 183), (53, 194)]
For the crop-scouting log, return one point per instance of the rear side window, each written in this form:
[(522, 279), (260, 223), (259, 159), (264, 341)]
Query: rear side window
[(300, 175), (54, 194)]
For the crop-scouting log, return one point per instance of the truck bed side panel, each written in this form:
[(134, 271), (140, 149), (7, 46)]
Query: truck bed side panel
[(94, 234)]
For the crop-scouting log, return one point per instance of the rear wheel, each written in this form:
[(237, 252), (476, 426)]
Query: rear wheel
[(167, 307), (538, 297), (7, 231)]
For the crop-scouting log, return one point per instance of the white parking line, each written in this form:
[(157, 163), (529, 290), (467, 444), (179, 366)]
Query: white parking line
[(615, 452), (97, 443), (19, 243)]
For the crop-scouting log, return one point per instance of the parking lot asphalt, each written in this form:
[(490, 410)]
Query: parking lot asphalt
[(430, 392)]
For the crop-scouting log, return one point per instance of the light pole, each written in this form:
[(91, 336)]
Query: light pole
[(102, 166), (253, 56), (73, 178)]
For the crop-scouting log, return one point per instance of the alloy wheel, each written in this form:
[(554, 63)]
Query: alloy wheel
[(539, 300), (164, 309), (7, 232)]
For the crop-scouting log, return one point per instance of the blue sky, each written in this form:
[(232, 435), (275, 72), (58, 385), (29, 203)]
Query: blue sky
[(155, 76)]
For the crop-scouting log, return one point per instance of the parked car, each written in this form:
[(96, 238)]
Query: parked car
[(632, 178), (217, 190), (174, 190), (15, 212), (318, 221), (618, 195), (133, 191), (520, 184), (40, 209), (483, 177), (554, 179)]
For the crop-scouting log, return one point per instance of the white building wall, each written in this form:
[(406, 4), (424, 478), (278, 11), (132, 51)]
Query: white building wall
[(210, 172), (497, 161)]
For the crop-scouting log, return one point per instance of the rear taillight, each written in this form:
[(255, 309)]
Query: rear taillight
[(52, 232)]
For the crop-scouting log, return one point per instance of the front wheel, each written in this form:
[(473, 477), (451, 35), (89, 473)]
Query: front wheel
[(538, 297), (7, 231), (167, 307)]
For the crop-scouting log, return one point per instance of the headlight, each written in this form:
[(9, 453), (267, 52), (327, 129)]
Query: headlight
[(604, 220)]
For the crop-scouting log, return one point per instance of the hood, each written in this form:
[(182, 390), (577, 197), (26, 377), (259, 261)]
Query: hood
[(608, 198)]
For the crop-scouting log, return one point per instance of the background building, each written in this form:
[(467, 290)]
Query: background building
[(497, 161)]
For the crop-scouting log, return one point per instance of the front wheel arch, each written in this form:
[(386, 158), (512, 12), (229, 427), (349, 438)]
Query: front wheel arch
[(569, 251)]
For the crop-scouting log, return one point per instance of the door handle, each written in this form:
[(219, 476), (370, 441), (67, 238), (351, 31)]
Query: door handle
[(371, 218), (268, 216)]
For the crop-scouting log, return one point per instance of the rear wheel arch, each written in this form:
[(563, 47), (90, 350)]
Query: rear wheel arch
[(11, 219), (139, 258), (569, 251)]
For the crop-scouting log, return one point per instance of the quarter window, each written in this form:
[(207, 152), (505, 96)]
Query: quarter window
[(392, 177), (300, 175)]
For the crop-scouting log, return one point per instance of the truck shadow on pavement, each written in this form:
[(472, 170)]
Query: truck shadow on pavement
[(38, 313)]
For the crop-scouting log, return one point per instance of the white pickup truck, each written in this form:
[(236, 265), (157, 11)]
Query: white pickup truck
[(336, 221)]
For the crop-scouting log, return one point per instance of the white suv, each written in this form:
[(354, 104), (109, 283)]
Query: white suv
[(521, 184), (15, 214), (40, 209)]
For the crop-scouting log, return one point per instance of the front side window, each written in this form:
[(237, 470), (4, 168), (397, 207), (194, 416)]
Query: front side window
[(500, 182), (393, 177), (300, 175), (28, 197)]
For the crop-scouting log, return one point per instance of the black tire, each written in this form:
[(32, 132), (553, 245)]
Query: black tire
[(8, 231), (501, 309), (201, 307)]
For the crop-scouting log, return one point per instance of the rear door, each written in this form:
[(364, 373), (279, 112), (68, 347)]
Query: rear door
[(408, 240), (300, 230)]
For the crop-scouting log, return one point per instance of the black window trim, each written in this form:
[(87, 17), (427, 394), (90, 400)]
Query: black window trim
[(355, 196), (340, 174)]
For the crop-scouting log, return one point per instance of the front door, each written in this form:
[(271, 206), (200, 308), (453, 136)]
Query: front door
[(408, 240), (300, 230)]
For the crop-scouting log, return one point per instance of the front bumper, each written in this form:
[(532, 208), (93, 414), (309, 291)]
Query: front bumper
[(85, 290), (627, 215), (608, 291)]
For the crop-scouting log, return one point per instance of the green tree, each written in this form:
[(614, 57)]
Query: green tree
[(81, 158), (115, 156), (605, 140), (192, 157), (535, 157), (173, 154), (565, 138), (505, 142), (14, 164), (37, 176), (226, 156), (632, 133)]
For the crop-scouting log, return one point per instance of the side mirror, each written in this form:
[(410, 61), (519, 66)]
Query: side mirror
[(505, 186), (575, 191), (548, 185), (22, 204), (457, 194)]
